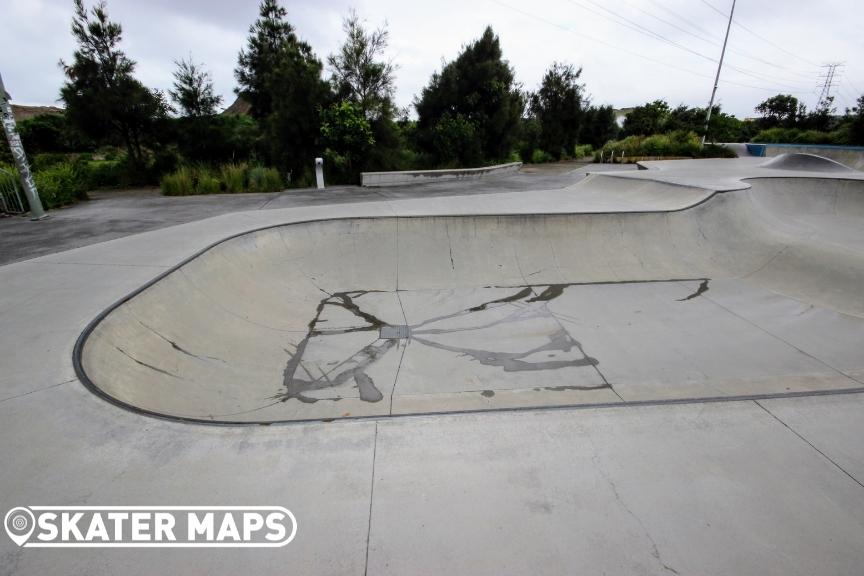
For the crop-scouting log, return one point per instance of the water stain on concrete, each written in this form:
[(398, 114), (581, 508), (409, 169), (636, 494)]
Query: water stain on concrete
[(300, 383), (703, 287)]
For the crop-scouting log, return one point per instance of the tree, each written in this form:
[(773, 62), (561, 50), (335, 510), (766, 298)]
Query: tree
[(358, 74), (559, 108), (103, 99), (475, 94), (856, 123), (822, 118), (269, 39), (782, 110), (647, 119), (193, 90), (599, 127), (347, 136), (280, 77)]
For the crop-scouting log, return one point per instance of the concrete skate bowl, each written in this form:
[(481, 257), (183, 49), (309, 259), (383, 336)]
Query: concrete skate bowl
[(805, 162), (752, 293)]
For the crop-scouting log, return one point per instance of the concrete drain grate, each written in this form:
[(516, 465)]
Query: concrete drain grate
[(394, 332)]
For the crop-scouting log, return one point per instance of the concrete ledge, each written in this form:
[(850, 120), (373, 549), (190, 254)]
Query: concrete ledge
[(376, 179)]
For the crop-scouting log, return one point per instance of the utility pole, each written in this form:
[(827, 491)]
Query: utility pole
[(717, 77), (36, 210)]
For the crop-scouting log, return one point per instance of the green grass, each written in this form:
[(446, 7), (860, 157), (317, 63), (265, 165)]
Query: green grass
[(233, 176), (178, 183), (263, 179)]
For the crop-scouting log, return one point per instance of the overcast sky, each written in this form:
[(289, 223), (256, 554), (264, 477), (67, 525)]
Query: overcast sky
[(624, 61)]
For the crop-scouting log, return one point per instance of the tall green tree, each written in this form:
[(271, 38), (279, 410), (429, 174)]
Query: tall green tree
[(347, 137), (281, 78), (103, 99), (193, 90), (270, 37), (600, 126), (647, 119), (470, 112), (360, 73), (559, 107)]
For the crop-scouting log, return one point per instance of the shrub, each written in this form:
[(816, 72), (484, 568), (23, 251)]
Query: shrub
[(582, 150), (101, 173), (796, 136), (207, 183), (541, 157), (679, 143), (233, 177), (61, 184), (263, 179), (179, 183)]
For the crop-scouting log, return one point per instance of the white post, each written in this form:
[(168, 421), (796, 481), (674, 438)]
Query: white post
[(319, 173)]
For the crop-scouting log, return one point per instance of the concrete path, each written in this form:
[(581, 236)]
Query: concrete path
[(767, 486), (114, 214)]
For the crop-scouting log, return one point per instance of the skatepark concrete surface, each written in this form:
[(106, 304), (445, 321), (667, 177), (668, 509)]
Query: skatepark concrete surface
[(642, 372)]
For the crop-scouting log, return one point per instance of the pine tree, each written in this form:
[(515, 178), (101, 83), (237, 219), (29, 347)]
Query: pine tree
[(193, 90), (280, 77), (470, 112), (359, 75), (103, 99), (559, 107), (270, 37)]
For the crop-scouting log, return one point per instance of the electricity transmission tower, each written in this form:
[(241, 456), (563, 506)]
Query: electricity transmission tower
[(828, 82)]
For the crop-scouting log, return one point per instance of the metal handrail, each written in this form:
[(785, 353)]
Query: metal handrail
[(10, 193)]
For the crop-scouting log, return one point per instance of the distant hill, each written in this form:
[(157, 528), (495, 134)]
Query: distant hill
[(239, 107), (22, 112)]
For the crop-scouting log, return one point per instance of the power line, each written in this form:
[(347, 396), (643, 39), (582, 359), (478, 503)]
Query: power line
[(598, 40), (626, 22), (757, 35), (626, 50), (685, 20), (711, 41), (639, 28)]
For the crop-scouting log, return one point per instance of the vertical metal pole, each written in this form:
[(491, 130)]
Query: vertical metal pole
[(717, 77), (36, 210)]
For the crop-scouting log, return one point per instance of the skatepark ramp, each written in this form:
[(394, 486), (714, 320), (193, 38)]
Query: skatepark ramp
[(747, 293)]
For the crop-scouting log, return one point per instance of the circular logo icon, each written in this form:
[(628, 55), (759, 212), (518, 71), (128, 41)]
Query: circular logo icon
[(19, 523)]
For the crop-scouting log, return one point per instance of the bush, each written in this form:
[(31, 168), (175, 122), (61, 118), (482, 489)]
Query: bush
[(207, 183), (679, 143), (541, 157), (61, 184), (233, 177), (796, 136), (263, 179), (178, 183), (582, 150), (102, 173)]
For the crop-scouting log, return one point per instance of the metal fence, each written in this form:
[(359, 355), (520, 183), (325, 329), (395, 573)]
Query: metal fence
[(10, 194)]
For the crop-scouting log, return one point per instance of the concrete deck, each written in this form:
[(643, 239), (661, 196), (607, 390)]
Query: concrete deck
[(715, 485)]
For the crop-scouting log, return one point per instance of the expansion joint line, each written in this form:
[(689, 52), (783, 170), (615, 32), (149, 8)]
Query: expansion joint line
[(823, 454), (371, 498)]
